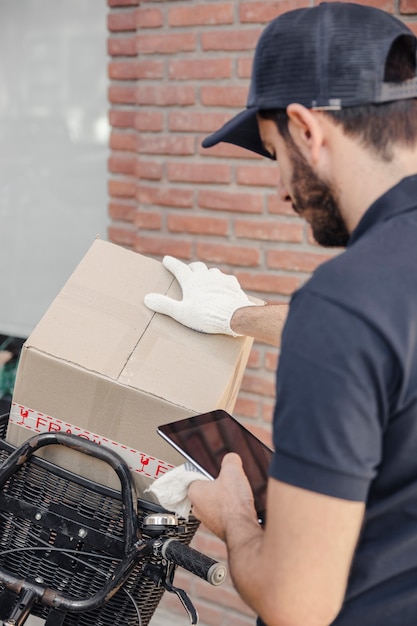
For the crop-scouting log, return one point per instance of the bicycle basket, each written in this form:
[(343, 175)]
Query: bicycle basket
[(65, 531)]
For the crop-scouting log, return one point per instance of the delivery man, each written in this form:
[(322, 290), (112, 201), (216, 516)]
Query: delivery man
[(333, 100)]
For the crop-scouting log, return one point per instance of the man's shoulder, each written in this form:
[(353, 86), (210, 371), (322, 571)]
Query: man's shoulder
[(341, 277), (376, 262), (375, 279)]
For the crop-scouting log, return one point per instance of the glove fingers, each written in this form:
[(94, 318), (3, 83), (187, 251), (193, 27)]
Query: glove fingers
[(227, 278), (161, 304), (179, 269), (198, 266)]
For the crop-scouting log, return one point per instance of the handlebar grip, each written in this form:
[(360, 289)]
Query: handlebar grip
[(194, 561)]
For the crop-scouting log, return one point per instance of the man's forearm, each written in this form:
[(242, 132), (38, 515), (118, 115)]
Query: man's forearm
[(226, 507), (264, 323), (244, 547)]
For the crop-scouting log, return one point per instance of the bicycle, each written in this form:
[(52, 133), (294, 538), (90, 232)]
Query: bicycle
[(76, 553)]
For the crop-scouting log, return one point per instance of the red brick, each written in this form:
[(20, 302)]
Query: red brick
[(268, 411), (262, 432), (258, 384), (121, 163), (232, 619), (215, 253), (149, 18), (160, 246), (122, 188), (165, 95), (244, 67), (165, 144), (149, 121), (298, 261), (271, 360), (260, 175), (200, 69), (209, 544), (122, 94), (123, 141), (269, 230), (413, 27), (122, 211), (225, 596), (122, 118), (199, 173), (261, 12), (209, 613), (230, 40), (200, 14), (223, 96), (254, 360), (385, 5), (278, 207), (408, 6), (195, 121), (197, 225), (148, 221), (124, 21), (246, 407), (226, 201), (268, 283), (166, 43), (163, 196), (310, 236), (121, 46), (122, 236), (148, 170), (134, 70)]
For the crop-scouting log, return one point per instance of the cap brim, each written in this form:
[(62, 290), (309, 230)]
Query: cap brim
[(242, 130)]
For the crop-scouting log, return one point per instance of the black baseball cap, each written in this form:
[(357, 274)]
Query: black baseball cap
[(325, 57)]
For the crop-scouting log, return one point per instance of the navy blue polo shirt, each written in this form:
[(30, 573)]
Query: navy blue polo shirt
[(345, 422)]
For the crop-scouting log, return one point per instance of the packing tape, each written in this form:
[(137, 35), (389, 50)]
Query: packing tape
[(139, 462)]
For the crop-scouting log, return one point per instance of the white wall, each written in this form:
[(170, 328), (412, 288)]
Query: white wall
[(53, 149)]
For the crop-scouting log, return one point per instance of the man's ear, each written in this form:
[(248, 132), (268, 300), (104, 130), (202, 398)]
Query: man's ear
[(306, 131)]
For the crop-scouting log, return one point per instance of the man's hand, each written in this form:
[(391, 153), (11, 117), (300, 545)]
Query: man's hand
[(209, 298), (304, 551), (219, 503)]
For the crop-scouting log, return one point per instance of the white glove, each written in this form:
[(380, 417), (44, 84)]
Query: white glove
[(171, 488), (209, 297)]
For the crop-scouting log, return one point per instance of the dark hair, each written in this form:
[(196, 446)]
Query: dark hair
[(378, 126)]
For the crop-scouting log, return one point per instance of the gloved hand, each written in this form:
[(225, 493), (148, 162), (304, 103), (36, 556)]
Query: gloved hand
[(171, 488), (209, 297)]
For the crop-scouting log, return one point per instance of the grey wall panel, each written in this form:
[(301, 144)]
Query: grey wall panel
[(53, 149)]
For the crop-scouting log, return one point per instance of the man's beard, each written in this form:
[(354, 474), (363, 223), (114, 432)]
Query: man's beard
[(311, 193)]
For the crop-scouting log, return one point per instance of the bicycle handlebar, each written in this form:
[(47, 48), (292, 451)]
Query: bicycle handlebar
[(129, 496), (195, 562)]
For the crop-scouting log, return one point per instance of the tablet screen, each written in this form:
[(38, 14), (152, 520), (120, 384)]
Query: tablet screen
[(205, 439)]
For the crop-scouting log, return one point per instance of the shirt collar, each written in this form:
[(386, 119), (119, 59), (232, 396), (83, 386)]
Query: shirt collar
[(399, 199)]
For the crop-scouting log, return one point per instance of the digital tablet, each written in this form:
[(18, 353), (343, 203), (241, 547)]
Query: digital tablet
[(205, 439)]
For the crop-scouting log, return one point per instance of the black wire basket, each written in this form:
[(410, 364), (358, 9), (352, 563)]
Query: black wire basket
[(64, 532)]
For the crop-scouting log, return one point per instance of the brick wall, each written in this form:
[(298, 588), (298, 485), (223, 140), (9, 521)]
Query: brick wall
[(178, 70)]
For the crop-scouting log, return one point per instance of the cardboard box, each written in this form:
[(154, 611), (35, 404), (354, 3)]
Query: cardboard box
[(103, 366)]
